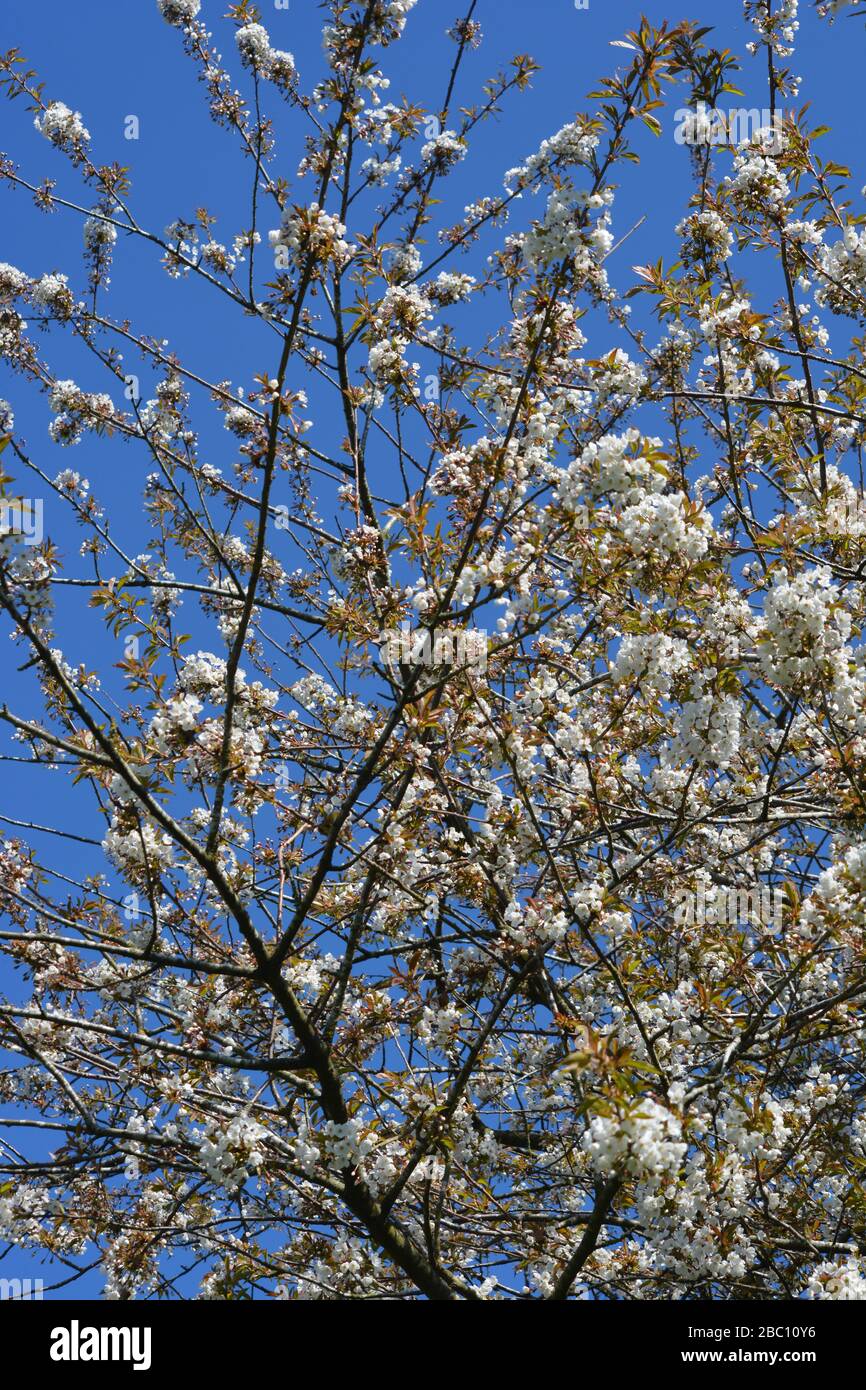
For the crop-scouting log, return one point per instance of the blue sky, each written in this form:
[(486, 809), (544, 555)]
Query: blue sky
[(111, 60)]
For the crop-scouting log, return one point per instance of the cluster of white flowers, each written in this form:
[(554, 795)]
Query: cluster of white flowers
[(15, 870), (241, 420), (135, 847), (449, 287), (23, 1209), (842, 512), (400, 315), (564, 231), (205, 674), (573, 144), (443, 151), (178, 726), (378, 169), (757, 181), (387, 365), (179, 12), (706, 236), (440, 1028), (312, 232), (709, 731), (52, 293), (667, 526), (725, 369), (182, 242), (616, 379), (653, 659), (387, 20), (160, 416), (842, 267), (28, 574), (63, 127), (231, 1152), (12, 280), (353, 1269), (642, 1141), (184, 251), (254, 46), (13, 345), (377, 124), (721, 319), (614, 466), (395, 12), (216, 256), (774, 26), (306, 1155), (177, 718), (71, 484), (805, 626), (683, 1241), (346, 1145), (841, 887), (457, 473), (345, 717), (76, 411), (527, 926), (835, 1280), (99, 235), (78, 676), (406, 262)]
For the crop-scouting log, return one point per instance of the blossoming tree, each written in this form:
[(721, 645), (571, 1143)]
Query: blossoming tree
[(369, 976)]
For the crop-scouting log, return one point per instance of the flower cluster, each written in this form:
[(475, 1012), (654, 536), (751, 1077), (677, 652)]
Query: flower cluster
[(645, 1140), (76, 411), (254, 46), (179, 12), (311, 235), (63, 127), (444, 151)]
